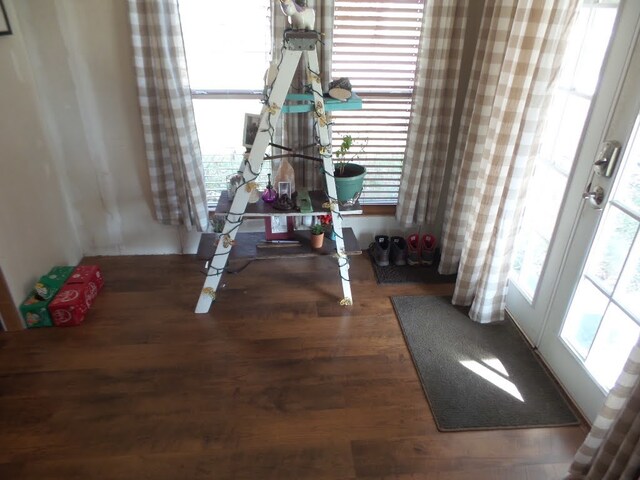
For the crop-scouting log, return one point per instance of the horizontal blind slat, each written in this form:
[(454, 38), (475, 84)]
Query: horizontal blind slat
[(376, 45)]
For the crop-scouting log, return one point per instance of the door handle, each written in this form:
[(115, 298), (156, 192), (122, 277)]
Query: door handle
[(595, 196)]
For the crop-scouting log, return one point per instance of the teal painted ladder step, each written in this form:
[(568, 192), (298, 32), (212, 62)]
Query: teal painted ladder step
[(305, 103)]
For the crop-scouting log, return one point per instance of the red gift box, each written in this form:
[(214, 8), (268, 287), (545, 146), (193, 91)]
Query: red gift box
[(87, 274), (70, 305)]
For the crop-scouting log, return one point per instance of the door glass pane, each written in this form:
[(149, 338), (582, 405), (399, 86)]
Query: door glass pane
[(603, 321), (528, 262), (595, 44), (560, 139), (616, 337), (611, 248), (628, 192), (581, 325), (628, 289), (569, 132)]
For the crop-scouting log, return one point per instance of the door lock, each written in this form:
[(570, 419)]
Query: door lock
[(595, 196), (607, 158)]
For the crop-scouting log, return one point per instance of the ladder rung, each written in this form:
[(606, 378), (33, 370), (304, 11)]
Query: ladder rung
[(330, 104)]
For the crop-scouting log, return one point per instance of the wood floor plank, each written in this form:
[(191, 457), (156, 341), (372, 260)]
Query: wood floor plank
[(277, 381)]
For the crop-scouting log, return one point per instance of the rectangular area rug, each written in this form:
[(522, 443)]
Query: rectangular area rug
[(410, 273), (475, 376)]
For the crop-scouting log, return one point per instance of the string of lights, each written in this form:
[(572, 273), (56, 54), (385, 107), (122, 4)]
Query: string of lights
[(233, 221)]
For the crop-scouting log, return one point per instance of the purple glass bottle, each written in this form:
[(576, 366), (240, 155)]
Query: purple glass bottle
[(269, 195)]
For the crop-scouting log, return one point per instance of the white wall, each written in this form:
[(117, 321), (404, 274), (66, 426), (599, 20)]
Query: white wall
[(36, 231), (82, 60), (73, 177)]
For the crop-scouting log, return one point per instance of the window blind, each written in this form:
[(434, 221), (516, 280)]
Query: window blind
[(375, 45)]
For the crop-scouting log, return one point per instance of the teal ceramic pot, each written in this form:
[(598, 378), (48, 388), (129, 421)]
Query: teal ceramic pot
[(349, 184)]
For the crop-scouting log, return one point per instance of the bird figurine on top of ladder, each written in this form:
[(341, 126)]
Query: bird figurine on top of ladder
[(300, 18)]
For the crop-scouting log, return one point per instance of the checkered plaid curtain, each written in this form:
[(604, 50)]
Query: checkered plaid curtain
[(611, 451), (432, 113), (171, 139), (298, 128), (516, 63)]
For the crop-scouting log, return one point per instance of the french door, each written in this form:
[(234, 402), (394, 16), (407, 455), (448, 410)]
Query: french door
[(583, 314)]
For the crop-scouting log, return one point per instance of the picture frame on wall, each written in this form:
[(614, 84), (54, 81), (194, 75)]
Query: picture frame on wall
[(5, 27), (251, 125)]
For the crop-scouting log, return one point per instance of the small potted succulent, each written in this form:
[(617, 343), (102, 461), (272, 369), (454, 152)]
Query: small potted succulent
[(317, 235)]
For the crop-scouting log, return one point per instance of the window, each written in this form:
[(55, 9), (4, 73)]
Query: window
[(223, 87), (375, 45)]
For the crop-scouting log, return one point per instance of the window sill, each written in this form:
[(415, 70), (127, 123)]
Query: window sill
[(386, 210)]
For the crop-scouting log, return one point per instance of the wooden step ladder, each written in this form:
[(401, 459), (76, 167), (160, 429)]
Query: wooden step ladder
[(297, 44)]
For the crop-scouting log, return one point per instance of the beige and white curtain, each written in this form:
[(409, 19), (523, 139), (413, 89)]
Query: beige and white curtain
[(611, 451), (171, 139), (516, 61), (433, 111), (298, 128)]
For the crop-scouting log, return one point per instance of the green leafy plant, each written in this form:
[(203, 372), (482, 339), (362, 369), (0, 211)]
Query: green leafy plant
[(341, 159), (317, 229)]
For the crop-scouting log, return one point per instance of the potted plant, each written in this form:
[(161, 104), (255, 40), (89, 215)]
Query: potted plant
[(349, 176), (327, 223), (317, 235)]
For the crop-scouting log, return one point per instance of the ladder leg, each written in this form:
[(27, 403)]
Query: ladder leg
[(313, 77), (249, 170)]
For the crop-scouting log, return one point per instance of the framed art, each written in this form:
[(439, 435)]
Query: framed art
[(284, 188), (278, 227), (251, 125), (5, 28)]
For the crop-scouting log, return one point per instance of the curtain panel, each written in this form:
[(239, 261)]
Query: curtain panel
[(432, 111), (171, 139), (517, 58), (298, 129), (611, 450)]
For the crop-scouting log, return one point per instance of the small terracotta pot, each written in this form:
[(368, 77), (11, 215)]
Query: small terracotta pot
[(317, 240)]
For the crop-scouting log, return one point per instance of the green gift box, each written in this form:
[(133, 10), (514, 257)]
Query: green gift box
[(49, 284), (46, 288), (59, 274), (36, 312)]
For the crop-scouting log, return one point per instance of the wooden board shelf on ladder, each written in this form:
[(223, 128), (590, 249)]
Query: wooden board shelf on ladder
[(297, 43)]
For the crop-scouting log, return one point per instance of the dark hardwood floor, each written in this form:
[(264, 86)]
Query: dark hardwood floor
[(276, 382)]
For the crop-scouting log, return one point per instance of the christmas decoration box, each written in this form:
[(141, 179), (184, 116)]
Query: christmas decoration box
[(74, 299), (87, 274), (49, 284), (59, 274), (70, 305), (35, 311)]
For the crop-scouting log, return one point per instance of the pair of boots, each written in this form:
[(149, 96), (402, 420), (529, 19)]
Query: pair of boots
[(385, 250), (414, 250), (421, 250)]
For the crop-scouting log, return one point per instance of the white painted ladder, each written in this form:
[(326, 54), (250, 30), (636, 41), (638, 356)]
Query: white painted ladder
[(296, 44)]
